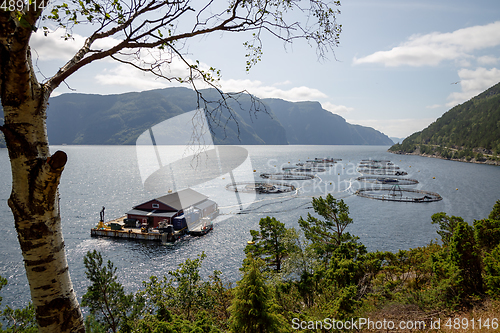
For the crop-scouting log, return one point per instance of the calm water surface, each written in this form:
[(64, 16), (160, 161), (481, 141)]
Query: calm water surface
[(109, 176)]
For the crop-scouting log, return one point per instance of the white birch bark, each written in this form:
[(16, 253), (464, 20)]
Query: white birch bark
[(34, 199)]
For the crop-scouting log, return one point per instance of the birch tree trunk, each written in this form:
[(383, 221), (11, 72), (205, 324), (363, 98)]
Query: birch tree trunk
[(34, 199)]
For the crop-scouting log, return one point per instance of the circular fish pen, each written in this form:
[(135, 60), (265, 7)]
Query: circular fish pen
[(383, 172), (287, 176), (309, 169), (379, 167), (375, 161), (325, 159), (387, 180), (260, 187), (315, 165), (396, 193), (304, 169)]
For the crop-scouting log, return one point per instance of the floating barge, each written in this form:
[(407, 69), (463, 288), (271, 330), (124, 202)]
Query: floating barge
[(146, 235), (164, 219)]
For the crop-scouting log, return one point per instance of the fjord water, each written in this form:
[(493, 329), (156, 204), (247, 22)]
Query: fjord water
[(109, 176)]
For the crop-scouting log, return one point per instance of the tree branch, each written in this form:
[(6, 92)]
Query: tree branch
[(254, 18)]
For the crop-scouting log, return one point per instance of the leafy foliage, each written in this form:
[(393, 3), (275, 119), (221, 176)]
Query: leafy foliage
[(17, 320), (346, 283), (351, 282), (190, 292), (182, 301), (105, 297)]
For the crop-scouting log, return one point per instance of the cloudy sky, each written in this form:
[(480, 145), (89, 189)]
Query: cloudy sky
[(399, 66)]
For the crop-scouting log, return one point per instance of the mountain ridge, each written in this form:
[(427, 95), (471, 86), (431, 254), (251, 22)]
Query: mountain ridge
[(91, 119), (325, 128)]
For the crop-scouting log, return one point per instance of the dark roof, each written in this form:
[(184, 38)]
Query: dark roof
[(182, 199)]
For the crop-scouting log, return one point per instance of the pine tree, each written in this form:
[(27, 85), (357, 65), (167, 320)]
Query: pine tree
[(492, 272), (487, 234), (447, 225), (464, 254), (253, 310), (327, 235), (272, 243), (495, 212)]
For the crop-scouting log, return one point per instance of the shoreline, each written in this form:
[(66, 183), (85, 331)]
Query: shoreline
[(472, 160)]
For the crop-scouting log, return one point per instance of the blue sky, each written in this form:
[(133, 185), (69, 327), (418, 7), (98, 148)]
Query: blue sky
[(399, 66)]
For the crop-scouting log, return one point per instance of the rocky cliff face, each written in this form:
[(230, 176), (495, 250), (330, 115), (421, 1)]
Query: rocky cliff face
[(309, 123)]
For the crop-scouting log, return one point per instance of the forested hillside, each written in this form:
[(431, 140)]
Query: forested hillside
[(470, 131)]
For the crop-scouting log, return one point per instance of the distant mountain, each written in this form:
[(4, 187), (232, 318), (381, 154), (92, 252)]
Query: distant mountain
[(467, 132), (308, 123), (120, 119), (396, 140)]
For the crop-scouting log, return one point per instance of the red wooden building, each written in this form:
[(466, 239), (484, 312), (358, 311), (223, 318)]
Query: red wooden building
[(167, 207)]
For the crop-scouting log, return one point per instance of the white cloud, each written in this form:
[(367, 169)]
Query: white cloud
[(162, 63), (487, 60), (473, 82), (284, 83), (399, 128), (337, 109), (53, 46), (124, 75), (127, 76), (433, 48), (463, 63), (258, 89)]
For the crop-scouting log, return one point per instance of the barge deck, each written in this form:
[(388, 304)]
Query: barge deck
[(151, 235)]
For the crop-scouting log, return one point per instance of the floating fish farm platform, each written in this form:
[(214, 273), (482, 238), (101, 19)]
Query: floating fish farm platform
[(139, 233)]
